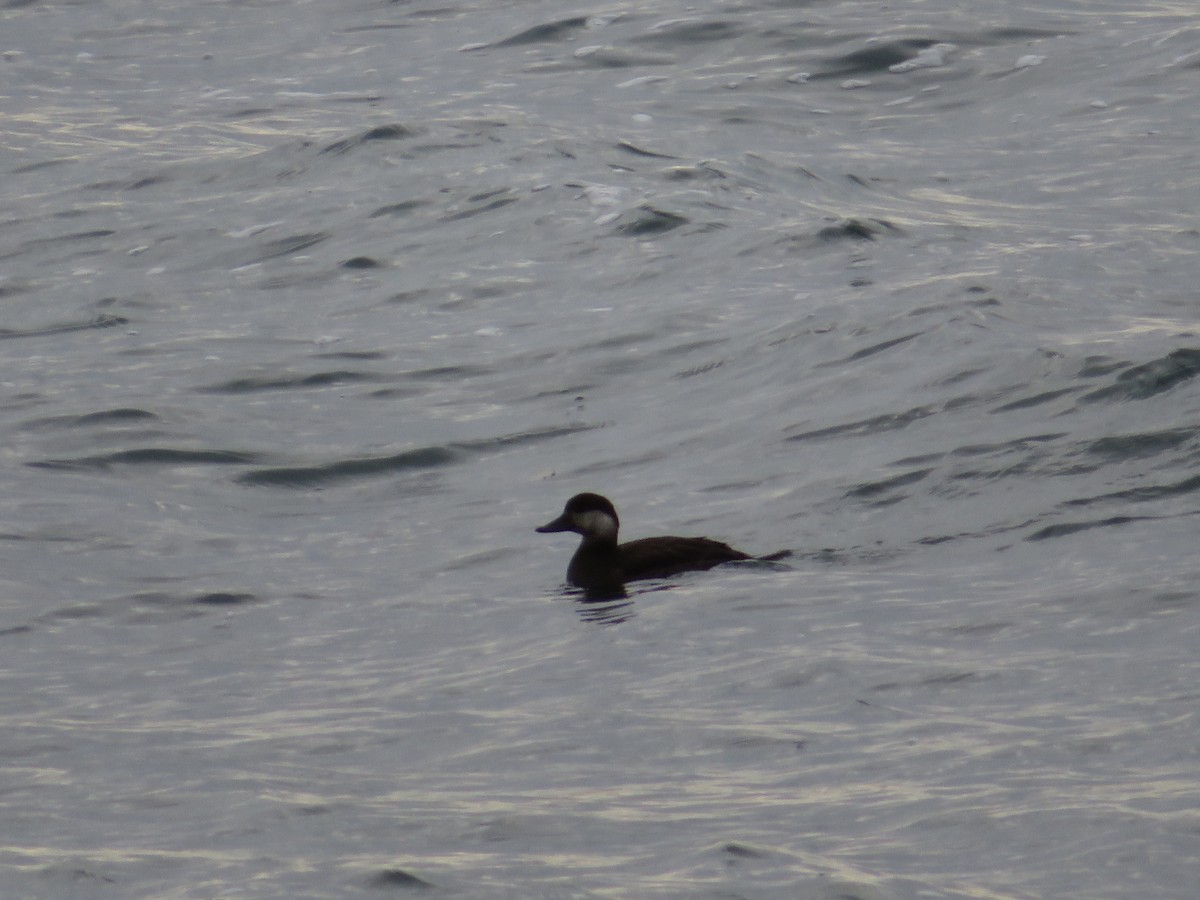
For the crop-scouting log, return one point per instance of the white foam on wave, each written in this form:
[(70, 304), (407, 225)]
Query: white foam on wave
[(930, 58)]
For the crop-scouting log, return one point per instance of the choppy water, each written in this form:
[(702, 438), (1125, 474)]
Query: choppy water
[(311, 312)]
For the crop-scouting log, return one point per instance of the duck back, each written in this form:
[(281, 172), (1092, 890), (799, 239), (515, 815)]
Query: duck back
[(659, 557)]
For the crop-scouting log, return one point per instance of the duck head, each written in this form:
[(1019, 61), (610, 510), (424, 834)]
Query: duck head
[(589, 515)]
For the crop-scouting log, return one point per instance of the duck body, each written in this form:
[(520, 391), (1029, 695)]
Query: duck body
[(601, 564)]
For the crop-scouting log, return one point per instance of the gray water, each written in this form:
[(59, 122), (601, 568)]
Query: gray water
[(311, 312)]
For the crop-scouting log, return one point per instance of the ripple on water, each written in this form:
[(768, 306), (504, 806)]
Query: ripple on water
[(398, 879), (118, 416), (419, 458), (151, 456), (1139, 382)]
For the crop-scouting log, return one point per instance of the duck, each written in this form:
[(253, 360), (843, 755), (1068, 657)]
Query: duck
[(601, 564)]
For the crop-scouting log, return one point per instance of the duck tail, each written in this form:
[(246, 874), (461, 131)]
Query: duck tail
[(773, 557)]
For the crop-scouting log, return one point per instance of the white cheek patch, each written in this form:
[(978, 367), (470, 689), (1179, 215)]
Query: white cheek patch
[(597, 523)]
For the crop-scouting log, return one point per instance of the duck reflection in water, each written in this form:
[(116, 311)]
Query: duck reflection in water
[(602, 567)]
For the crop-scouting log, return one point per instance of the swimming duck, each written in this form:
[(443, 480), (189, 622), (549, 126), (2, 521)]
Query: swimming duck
[(602, 564)]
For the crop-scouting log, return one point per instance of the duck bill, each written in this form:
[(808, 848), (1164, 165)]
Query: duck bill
[(559, 524)]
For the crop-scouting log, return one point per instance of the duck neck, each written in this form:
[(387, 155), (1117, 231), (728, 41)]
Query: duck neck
[(599, 542)]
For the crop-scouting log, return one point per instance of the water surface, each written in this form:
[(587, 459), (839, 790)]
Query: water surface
[(312, 312)]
